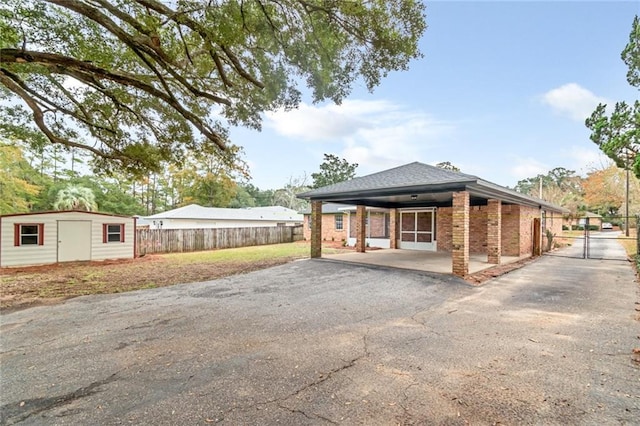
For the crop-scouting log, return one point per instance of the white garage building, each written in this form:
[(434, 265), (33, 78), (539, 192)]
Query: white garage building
[(65, 236)]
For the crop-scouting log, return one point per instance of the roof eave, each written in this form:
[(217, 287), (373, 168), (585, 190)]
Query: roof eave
[(489, 190), (343, 196)]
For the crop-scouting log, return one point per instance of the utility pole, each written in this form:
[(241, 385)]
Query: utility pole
[(540, 191)]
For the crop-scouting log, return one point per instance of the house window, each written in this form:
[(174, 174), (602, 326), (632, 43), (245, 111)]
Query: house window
[(339, 222), (309, 222), (113, 233), (28, 234)]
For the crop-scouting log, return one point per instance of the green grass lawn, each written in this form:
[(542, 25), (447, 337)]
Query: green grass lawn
[(244, 254)]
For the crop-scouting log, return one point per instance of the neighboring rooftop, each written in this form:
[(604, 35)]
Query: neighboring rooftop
[(195, 211)]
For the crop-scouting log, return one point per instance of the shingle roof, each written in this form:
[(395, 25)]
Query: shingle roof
[(195, 211), (330, 208), (418, 177), (412, 174)]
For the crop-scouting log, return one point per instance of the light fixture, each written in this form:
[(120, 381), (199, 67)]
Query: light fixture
[(414, 197)]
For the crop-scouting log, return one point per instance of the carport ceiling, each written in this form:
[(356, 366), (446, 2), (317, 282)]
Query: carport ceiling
[(418, 185)]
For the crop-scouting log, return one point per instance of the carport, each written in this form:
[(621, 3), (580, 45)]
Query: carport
[(433, 210)]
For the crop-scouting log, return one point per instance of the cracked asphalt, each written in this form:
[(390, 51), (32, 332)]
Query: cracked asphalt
[(319, 342)]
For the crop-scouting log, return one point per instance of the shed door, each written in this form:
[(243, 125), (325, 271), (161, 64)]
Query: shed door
[(74, 240)]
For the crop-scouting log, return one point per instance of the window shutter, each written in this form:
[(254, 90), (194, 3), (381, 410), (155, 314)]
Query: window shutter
[(122, 233), (104, 232), (41, 234), (16, 234)]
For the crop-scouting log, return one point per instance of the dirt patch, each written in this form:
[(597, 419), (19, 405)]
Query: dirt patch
[(25, 287), (22, 288)]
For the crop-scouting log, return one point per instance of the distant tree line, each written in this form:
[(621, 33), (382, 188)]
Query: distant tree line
[(53, 178)]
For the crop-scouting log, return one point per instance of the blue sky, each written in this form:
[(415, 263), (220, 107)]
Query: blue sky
[(502, 92)]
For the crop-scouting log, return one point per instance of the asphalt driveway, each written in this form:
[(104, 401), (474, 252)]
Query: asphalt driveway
[(316, 342)]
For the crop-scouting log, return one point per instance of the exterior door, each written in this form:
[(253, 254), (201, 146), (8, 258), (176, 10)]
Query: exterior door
[(74, 240), (417, 229)]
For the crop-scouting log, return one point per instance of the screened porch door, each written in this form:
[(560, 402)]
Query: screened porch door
[(417, 229)]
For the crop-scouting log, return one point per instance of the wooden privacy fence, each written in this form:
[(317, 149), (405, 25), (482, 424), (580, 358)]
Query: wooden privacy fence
[(150, 241)]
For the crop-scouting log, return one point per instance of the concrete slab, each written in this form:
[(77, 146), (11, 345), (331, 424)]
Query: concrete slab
[(417, 260)]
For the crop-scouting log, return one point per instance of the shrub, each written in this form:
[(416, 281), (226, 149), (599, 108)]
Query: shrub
[(550, 236)]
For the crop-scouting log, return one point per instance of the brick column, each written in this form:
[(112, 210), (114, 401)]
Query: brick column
[(316, 229), (494, 231), (393, 228), (460, 237), (361, 228)]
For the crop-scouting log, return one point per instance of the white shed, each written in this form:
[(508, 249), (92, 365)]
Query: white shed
[(65, 236)]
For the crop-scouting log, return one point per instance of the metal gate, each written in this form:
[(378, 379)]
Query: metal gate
[(602, 239)]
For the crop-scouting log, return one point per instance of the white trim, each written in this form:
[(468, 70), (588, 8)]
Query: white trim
[(371, 242)]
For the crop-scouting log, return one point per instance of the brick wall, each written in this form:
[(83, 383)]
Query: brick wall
[(444, 228), (329, 232), (516, 230), (510, 230), (527, 214), (461, 233), (553, 222), (494, 231), (377, 227), (478, 229)]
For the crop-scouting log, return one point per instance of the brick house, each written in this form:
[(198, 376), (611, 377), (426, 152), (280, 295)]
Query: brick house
[(334, 225), (339, 224), (422, 207)]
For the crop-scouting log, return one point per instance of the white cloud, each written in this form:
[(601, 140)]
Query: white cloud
[(573, 101), (375, 134), (528, 167), (323, 123), (584, 160)]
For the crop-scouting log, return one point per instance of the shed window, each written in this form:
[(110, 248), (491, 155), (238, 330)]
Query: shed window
[(113, 233), (28, 234), (339, 226)]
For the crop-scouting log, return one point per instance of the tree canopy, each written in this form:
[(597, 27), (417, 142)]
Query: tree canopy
[(333, 170), (75, 197), (139, 82), (618, 134), (559, 186), (16, 189)]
